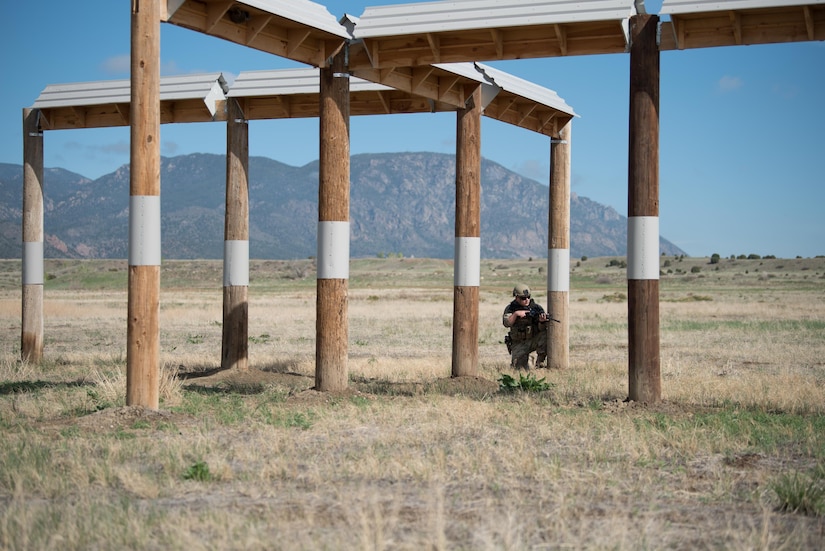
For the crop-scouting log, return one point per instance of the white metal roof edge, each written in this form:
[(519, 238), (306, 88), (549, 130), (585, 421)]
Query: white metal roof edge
[(514, 85), (281, 82), (686, 7), (207, 86), (458, 15), (301, 11)]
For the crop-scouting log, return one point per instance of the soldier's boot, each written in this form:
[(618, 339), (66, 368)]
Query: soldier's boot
[(522, 362)]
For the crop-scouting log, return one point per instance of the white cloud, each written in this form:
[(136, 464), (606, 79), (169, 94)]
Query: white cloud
[(728, 83), (169, 148), (117, 65), (119, 148), (533, 168)]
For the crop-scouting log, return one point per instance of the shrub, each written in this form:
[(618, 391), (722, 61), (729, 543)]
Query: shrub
[(198, 471), (527, 383), (714, 258), (800, 494), (695, 270)]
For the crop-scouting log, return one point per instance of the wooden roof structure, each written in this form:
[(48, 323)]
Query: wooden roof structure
[(405, 46), (306, 32), (294, 93), (708, 23), (188, 98), (299, 30), (416, 34), (475, 30)]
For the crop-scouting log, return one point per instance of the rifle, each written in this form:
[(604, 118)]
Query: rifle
[(535, 313)]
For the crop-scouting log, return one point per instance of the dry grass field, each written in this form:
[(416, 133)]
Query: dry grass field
[(408, 458)]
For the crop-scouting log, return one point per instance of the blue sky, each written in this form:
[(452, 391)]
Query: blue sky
[(742, 167)]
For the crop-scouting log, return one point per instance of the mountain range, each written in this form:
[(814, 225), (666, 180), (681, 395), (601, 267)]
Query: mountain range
[(400, 203)]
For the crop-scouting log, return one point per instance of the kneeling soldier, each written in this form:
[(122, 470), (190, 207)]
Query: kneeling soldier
[(528, 330)]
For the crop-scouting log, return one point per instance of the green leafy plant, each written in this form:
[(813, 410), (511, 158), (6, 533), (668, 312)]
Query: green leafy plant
[(527, 383), (198, 471)]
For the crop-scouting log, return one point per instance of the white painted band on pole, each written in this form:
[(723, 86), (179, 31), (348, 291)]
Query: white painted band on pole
[(333, 250), (643, 247), (235, 263), (32, 263), (467, 271), (558, 270), (144, 230)]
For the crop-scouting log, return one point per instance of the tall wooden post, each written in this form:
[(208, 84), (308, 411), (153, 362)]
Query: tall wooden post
[(235, 342), (143, 330), (558, 254), (31, 343), (467, 237), (643, 212), (331, 322)]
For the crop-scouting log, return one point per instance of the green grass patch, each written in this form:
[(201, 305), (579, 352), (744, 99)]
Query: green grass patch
[(198, 471), (800, 493), (527, 383)]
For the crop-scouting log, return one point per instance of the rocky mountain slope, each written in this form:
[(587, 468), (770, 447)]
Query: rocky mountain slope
[(400, 203)]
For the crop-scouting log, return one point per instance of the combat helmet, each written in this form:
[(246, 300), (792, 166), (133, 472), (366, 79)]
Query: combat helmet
[(521, 290)]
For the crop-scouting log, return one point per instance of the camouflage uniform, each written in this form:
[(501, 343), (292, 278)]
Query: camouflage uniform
[(526, 334)]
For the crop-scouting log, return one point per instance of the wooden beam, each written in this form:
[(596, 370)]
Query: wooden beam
[(644, 372), (558, 254), (420, 76), (31, 337), (525, 111), (467, 237), (561, 36), (256, 24), (124, 110), (545, 121), (498, 42), (809, 22), (435, 46), (331, 326), (214, 13), (235, 328), (736, 25), (446, 84), (384, 98), (297, 37), (80, 113), (257, 29), (143, 312)]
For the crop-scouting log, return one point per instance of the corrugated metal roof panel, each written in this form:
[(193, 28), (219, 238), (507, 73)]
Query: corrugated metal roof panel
[(199, 86), (301, 11), (284, 82), (304, 12), (526, 89), (697, 6), (459, 15), (713, 23)]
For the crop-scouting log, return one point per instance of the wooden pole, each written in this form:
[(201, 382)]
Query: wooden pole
[(467, 237), (143, 330), (558, 254), (643, 212), (235, 342), (331, 322), (31, 343)]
